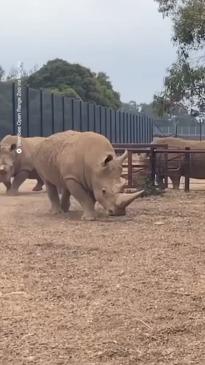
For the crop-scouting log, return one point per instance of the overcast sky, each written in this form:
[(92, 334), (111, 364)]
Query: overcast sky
[(127, 39)]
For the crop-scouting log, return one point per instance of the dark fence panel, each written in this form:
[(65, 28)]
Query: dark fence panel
[(31, 113), (58, 114), (45, 113), (69, 113), (6, 110), (103, 121), (76, 115), (91, 120), (108, 123), (84, 116), (97, 119)]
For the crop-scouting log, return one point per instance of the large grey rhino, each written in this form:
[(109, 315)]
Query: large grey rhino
[(176, 161), (84, 165), (18, 166)]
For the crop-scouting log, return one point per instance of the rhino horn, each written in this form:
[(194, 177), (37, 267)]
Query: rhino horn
[(123, 157), (124, 199)]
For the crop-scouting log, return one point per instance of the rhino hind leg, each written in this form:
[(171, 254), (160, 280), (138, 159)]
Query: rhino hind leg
[(65, 201), (84, 198), (175, 181), (18, 180), (54, 198)]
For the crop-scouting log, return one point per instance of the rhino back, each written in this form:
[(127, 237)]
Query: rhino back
[(23, 160), (70, 154), (197, 160)]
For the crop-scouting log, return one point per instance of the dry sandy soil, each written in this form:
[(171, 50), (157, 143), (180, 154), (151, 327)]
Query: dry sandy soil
[(118, 291)]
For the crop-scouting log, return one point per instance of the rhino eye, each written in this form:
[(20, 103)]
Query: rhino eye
[(103, 190)]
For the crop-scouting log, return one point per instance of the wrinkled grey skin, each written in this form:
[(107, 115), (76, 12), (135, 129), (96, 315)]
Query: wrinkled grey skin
[(17, 166)]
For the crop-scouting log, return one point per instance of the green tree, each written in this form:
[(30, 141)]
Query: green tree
[(76, 81), (188, 18), (185, 81), (110, 96), (2, 73), (15, 71), (66, 91)]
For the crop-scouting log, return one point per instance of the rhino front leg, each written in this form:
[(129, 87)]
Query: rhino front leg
[(7, 185), (39, 185), (160, 181), (18, 180), (65, 201), (84, 198), (53, 197)]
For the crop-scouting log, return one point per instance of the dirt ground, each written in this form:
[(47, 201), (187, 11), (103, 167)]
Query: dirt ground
[(117, 291)]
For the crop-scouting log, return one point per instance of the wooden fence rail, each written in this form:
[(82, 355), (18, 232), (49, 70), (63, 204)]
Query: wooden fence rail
[(152, 150)]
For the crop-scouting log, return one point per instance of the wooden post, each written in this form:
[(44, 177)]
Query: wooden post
[(153, 164), (166, 168), (200, 125), (28, 110), (187, 170), (129, 169)]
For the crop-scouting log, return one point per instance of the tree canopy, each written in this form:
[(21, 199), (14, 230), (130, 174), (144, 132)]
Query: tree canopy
[(76, 81), (188, 17), (185, 80)]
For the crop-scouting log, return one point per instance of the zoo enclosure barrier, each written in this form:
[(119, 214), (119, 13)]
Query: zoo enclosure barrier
[(45, 113), (196, 131), (183, 157), (170, 164), (133, 167)]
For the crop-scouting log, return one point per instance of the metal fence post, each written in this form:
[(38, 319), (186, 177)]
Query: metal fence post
[(41, 112), (187, 170), (63, 111), (52, 114)]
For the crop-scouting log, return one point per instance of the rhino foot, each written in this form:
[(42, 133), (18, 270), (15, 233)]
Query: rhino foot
[(12, 192), (88, 217), (56, 211), (37, 188)]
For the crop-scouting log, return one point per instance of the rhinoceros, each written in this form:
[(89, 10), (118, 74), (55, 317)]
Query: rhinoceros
[(84, 165), (18, 165), (176, 161)]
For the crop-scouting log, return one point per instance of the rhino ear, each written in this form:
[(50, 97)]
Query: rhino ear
[(107, 159)]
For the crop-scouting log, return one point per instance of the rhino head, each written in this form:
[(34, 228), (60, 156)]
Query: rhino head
[(7, 160), (108, 185)]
